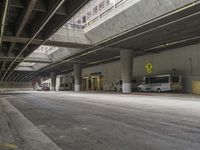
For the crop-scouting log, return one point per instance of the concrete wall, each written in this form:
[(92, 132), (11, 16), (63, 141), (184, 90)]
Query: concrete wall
[(111, 73), (16, 86), (137, 14), (62, 52), (73, 35), (184, 61)]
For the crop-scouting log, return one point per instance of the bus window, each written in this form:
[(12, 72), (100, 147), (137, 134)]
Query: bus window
[(164, 79), (175, 79), (157, 80)]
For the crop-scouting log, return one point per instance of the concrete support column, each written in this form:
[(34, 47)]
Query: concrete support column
[(41, 81), (53, 81), (126, 57), (77, 77)]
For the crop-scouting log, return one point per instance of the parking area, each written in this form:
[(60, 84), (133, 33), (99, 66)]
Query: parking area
[(89, 121), (99, 75)]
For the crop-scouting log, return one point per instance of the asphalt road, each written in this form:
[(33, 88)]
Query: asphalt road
[(113, 122)]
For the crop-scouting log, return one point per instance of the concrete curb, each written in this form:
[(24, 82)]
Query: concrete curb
[(32, 137)]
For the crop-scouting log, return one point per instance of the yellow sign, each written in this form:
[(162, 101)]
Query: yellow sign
[(149, 68), (8, 146)]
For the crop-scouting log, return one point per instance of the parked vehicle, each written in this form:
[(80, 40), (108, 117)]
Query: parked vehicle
[(42, 88), (161, 83), (45, 88), (65, 87), (118, 85), (39, 88)]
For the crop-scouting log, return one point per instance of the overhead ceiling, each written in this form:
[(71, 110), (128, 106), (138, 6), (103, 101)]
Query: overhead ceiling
[(33, 20), (180, 28)]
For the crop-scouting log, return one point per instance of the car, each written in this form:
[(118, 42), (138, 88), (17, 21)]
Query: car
[(39, 88), (118, 85), (45, 88), (42, 88)]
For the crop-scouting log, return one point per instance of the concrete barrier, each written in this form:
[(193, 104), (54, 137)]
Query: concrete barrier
[(16, 86)]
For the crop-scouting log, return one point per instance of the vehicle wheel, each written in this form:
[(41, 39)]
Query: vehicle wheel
[(159, 90)]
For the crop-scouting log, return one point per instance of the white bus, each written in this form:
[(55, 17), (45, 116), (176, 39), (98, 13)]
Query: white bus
[(161, 83)]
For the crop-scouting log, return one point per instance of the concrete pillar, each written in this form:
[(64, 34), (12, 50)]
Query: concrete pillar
[(53, 81), (41, 80), (77, 77), (126, 57)]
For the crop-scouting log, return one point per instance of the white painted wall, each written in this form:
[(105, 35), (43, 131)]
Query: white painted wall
[(186, 62), (110, 71)]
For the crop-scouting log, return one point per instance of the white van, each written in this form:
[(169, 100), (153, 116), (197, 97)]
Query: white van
[(161, 83)]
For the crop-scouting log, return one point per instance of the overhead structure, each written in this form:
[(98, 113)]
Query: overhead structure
[(32, 20), (176, 28)]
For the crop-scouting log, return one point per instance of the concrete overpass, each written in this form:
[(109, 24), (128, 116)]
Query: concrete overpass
[(25, 22), (96, 55), (175, 25)]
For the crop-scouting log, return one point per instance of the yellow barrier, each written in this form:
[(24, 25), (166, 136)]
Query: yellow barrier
[(196, 87), (8, 146)]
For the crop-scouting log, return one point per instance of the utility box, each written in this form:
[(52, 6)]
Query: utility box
[(196, 87)]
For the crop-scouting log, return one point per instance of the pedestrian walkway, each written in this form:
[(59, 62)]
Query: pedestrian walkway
[(18, 133)]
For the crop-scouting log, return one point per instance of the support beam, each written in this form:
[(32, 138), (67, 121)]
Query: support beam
[(40, 7), (126, 56), (48, 42), (77, 77), (43, 22), (22, 21), (27, 59), (21, 40), (3, 17), (53, 81)]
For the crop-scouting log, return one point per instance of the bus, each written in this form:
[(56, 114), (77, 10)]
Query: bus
[(161, 83)]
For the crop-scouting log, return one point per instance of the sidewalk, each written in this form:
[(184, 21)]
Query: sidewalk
[(7, 138), (18, 133)]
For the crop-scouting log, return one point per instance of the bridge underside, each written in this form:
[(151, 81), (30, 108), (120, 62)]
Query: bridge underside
[(167, 32), (176, 29), (28, 24)]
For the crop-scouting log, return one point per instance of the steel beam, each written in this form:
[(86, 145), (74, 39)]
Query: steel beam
[(48, 42), (22, 21), (40, 7), (43, 23), (3, 18)]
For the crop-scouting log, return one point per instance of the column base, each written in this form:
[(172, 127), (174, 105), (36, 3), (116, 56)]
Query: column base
[(77, 88), (126, 88), (53, 89)]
